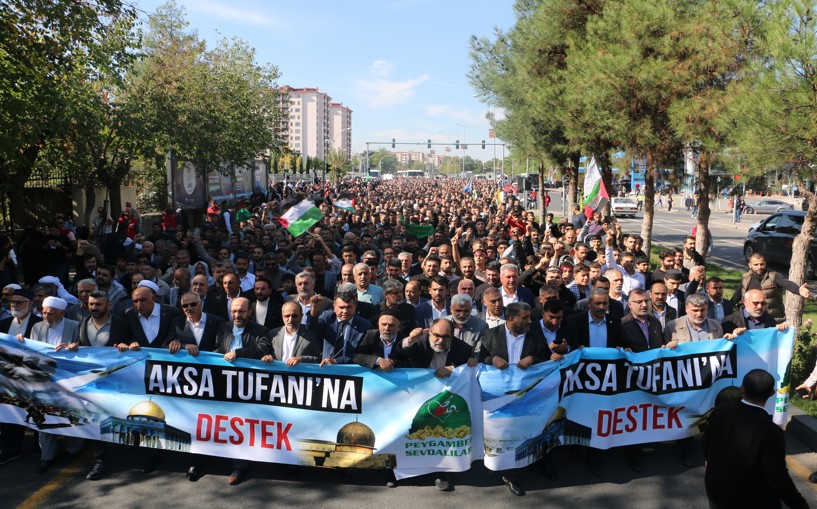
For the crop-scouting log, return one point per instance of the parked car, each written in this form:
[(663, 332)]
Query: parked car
[(773, 239), (622, 207), (767, 207)]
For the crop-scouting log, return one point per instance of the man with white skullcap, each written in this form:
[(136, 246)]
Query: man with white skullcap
[(61, 333)]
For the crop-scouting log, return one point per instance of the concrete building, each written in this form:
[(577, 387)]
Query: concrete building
[(312, 124)]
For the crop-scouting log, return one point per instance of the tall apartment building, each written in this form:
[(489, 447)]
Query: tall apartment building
[(312, 124)]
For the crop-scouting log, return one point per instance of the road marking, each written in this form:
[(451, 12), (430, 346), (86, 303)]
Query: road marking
[(800, 471), (40, 496)]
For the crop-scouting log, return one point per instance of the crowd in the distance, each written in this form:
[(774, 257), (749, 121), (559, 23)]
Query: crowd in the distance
[(420, 274)]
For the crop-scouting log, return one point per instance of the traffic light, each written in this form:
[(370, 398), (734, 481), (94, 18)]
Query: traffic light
[(392, 143), (457, 144), (429, 143), (464, 146), (483, 144)]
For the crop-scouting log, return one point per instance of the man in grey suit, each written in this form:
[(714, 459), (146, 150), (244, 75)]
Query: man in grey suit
[(62, 334), (467, 327), (292, 343)]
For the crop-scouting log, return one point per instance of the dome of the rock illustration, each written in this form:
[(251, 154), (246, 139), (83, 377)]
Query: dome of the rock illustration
[(147, 410), (356, 433)]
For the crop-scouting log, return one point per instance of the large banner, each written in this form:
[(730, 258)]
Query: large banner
[(603, 397), (407, 420)]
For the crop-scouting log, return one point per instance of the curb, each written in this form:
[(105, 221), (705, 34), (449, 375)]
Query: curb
[(803, 427)]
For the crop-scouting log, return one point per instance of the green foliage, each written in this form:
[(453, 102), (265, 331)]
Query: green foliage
[(804, 356)]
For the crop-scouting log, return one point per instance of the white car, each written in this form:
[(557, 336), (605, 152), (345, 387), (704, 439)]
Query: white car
[(767, 207), (622, 207)]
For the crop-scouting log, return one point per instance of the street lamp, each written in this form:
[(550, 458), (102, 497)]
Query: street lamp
[(464, 143)]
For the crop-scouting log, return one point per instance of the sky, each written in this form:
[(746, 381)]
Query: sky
[(400, 65)]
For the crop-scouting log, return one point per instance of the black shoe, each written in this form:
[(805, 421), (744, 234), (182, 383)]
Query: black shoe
[(813, 478), (442, 484), (513, 486), (192, 473), (8, 458), (97, 470), (236, 477), (150, 464), (42, 466)]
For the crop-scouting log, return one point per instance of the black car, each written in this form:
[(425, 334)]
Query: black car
[(773, 239)]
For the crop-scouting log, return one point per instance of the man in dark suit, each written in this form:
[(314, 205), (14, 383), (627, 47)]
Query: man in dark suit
[(719, 308), (515, 342), (511, 291), (437, 307), (267, 306), (339, 329), (293, 343), (148, 321), (210, 302), (231, 284), (377, 348), (595, 328), (20, 322), (752, 315), (393, 301), (195, 330), (676, 298), (640, 331), (614, 309), (657, 306), (241, 338), (746, 452)]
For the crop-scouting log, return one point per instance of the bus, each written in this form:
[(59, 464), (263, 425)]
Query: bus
[(411, 173)]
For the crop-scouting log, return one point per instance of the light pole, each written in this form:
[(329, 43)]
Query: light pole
[(464, 143)]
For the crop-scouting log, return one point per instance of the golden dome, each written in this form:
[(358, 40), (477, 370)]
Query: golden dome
[(147, 409), (356, 433)]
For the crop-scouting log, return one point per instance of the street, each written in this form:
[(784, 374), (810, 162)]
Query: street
[(665, 483)]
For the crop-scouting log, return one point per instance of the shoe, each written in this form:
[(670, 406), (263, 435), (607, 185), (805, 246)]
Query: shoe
[(97, 470), (391, 484), (150, 464), (42, 466), (813, 478), (8, 458), (192, 473), (513, 486), (236, 477), (442, 484)]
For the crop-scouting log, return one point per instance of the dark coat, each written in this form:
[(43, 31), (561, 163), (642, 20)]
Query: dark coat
[(273, 319), (254, 342), (119, 332), (633, 338), (423, 315), (495, 345), (371, 348), (579, 330), (326, 327), (215, 306), (135, 332), (182, 332), (746, 460), (32, 319), (736, 320), (419, 354)]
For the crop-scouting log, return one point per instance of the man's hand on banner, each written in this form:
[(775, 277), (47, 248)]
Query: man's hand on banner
[(230, 356), (499, 362), (525, 362), (782, 326), (328, 360), (123, 347), (267, 358), (71, 347), (472, 362), (385, 364), (671, 345), (444, 372), (174, 346), (20, 338), (192, 350), (293, 361)]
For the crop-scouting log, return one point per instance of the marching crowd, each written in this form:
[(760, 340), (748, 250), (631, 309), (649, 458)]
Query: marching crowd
[(418, 274)]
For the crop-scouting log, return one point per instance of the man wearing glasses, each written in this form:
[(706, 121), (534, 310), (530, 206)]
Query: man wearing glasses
[(195, 330)]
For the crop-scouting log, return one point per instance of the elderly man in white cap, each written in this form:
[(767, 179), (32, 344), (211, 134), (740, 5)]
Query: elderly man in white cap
[(61, 333), (148, 320)]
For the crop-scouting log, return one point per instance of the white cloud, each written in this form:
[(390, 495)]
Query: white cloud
[(382, 93), (455, 114), (381, 68), (243, 15)]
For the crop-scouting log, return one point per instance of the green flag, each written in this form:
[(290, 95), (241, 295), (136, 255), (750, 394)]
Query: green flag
[(421, 231)]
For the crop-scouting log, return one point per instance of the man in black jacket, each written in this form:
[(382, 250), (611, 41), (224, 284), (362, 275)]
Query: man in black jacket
[(746, 452)]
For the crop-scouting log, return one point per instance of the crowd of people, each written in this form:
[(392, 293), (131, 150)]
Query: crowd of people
[(420, 274)]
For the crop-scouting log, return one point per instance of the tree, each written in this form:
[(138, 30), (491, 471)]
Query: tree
[(338, 164), (49, 51), (774, 123)]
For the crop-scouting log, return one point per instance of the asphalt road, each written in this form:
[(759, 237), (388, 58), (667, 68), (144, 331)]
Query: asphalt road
[(664, 484)]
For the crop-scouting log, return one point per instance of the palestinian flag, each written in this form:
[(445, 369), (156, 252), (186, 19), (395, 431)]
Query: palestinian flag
[(301, 217), (595, 194), (345, 204)]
